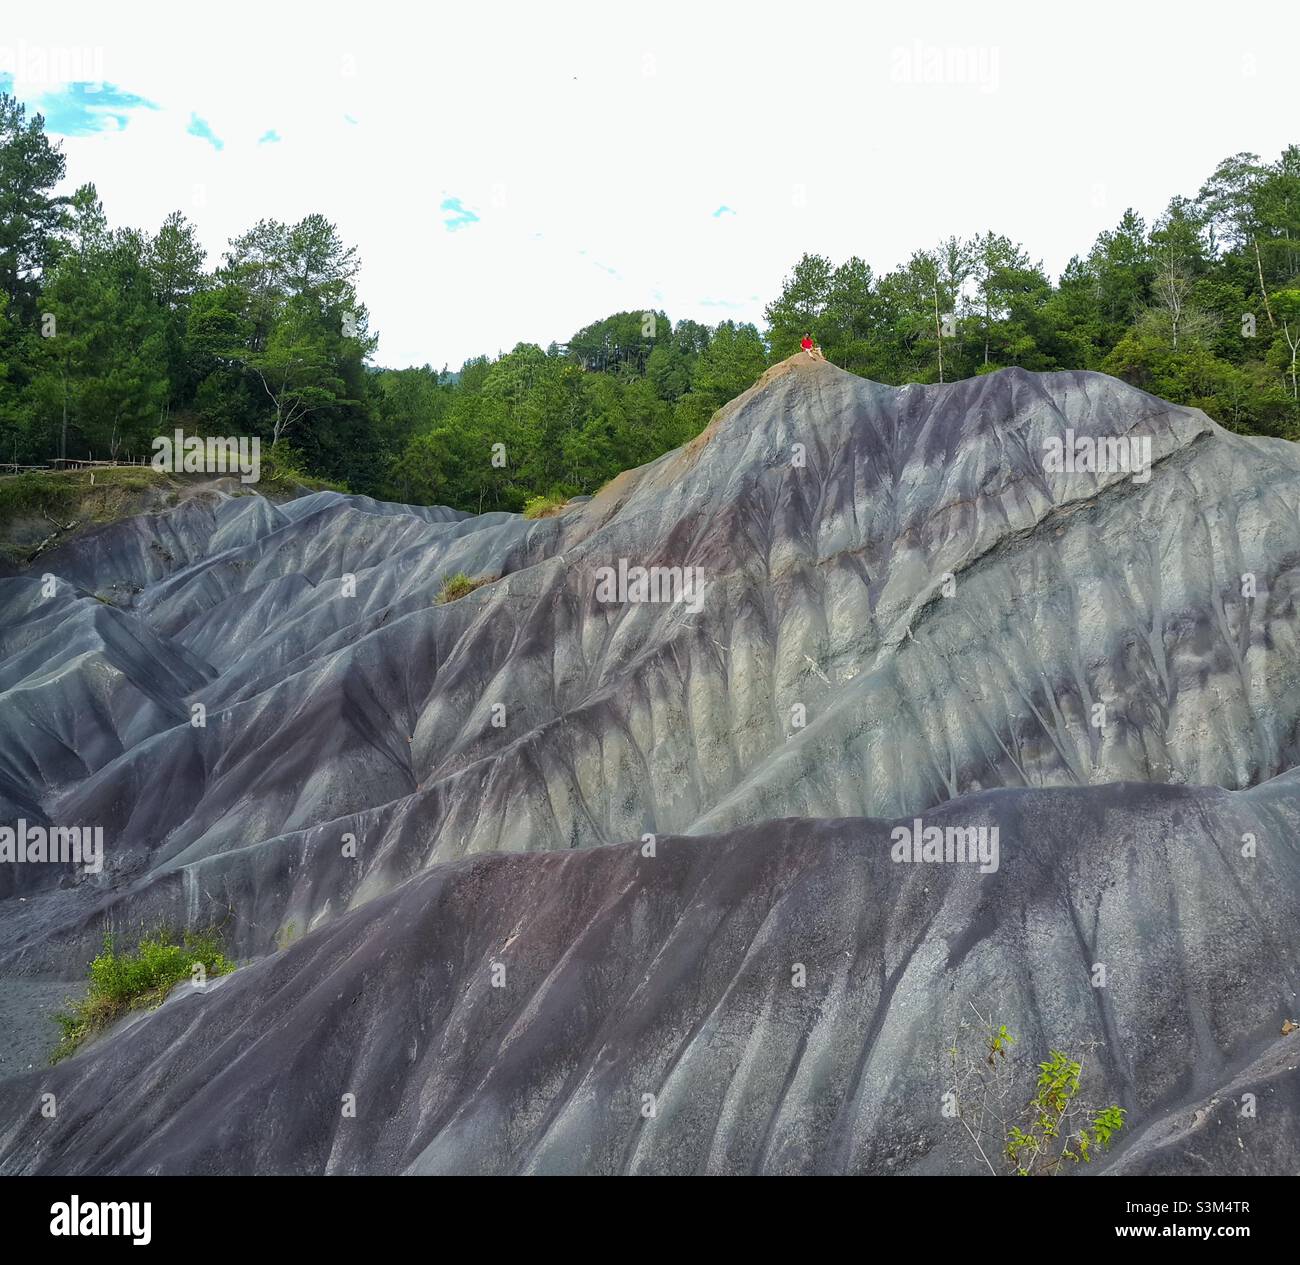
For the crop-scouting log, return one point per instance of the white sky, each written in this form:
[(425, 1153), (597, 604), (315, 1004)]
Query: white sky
[(619, 130)]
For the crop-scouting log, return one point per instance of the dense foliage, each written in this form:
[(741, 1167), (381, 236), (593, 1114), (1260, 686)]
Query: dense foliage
[(109, 337)]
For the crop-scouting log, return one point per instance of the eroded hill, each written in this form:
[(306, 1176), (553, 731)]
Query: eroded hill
[(905, 612)]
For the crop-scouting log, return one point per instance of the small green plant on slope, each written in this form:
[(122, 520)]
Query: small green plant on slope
[(543, 506), (133, 980), (1054, 1128), (459, 585)]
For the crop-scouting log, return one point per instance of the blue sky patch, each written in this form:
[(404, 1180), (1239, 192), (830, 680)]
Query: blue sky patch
[(201, 128), (83, 109), (459, 215)]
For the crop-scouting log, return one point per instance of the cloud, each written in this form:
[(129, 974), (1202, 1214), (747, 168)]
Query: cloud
[(83, 109), (269, 137), (460, 215), (200, 128)]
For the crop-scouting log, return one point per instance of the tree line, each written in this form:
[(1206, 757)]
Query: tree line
[(109, 337), (1202, 307)]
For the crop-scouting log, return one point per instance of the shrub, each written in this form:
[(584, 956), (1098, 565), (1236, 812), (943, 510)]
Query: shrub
[(120, 982), (1054, 1128), (282, 472)]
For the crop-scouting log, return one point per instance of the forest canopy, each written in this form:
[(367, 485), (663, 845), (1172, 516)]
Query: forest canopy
[(111, 336)]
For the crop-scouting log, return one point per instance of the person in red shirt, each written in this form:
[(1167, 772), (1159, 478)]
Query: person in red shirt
[(811, 348)]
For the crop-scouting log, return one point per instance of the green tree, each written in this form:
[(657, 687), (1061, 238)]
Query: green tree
[(1232, 201), (1006, 285), (298, 376), (733, 361), (925, 298), (1120, 265), (102, 365), (1287, 346), (800, 308), (31, 217), (174, 260)]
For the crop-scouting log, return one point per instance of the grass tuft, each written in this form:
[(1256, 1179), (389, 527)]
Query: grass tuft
[(460, 585), (544, 506)]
